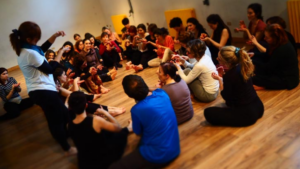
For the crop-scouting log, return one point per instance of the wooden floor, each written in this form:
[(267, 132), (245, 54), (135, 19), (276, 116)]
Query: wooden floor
[(273, 142)]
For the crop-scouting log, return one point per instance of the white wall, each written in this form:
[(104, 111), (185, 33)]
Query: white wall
[(72, 16), (152, 11)]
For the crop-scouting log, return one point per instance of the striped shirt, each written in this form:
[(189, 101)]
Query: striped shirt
[(5, 89)]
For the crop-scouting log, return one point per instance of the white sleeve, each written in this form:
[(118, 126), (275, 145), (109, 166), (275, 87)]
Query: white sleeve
[(35, 59), (207, 51), (194, 73)]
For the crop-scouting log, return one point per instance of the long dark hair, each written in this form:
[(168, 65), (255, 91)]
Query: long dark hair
[(26, 30), (278, 35), (132, 29), (199, 27), (257, 8), (2, 69), (216, 19), (170, 69), (77, 45), (71, 52)]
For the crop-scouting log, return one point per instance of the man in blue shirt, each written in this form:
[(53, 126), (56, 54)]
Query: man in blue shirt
[(154, 119)]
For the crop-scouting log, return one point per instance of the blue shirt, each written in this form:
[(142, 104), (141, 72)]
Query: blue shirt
[(154, 119)]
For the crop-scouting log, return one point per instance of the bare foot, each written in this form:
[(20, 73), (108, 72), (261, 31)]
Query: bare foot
[(129, 127), (96, 96), (113, 75), (104, 90), (71, 151), (115, 111), (128, 65), (137, 68)]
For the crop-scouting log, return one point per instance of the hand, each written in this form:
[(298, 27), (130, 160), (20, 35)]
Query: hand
[(136, 37), (64, 49), (215, 76), (158, 84), (178, 59), (155, 50), (221, 71), (68, 72), (176, 41), (203, 36), (242, 27), (60, 33), (249, 42), (100, 67), (76, 80), (253, 40), (14, 86), (250, 54), (205, 39)]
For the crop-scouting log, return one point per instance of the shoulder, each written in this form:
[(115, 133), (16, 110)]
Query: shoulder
[(261, 25), (225, 30)]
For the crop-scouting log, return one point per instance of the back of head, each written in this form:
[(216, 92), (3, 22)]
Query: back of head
[(135, 87), (232, 56), (197, 48), (57, 72), (26, 30), (186, 37), (77, 102), (278, 20), (257, 8), (170, 69), (175, 22), (125, 21), (278, 35), (151, 27)]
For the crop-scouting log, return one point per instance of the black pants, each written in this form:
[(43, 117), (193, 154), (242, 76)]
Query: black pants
[(146, 57), (136, 161), (114, 149), (111, 59), (13, 110), (237, 116), (56, 114), (103, 75)]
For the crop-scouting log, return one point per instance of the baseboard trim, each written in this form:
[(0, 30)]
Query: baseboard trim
[(13, 68)]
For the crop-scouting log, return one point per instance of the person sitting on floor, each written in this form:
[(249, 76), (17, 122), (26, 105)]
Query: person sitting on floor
[(9, 93), (99, 142), (244, 107), (94, 82), (199, 80), (177, 90), (154, 119)]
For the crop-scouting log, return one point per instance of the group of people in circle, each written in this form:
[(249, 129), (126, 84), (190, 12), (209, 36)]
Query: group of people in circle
[(65, 83)]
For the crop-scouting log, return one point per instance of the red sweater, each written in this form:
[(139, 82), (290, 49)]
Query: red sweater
[(167, 43), (112, 44)]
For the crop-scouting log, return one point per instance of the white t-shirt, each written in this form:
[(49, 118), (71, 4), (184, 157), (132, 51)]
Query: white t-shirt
[(202, 70), (29, 60)]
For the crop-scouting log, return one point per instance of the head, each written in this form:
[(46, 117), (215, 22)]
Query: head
[(160, 33), (77, 102), (28, 32), (135, 87), (185, 38), (104, 37), (60, 75), (3, 75), (86, 44), (132, 31), (275, 36), (167, 71), (151, 28), (196, 49), (141, 28), (88, 35), (231, 56), (79, 45), (194, 25), (76, 37), (125, 22), (176, 23), (107, 30), (254, 11), (50, 54), (276, 19), (70, 46), (214, 20)]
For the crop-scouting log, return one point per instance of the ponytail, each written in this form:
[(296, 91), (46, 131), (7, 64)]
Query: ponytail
[(15, 41), (247, 67)]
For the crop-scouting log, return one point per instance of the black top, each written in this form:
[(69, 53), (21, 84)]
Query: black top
[(217, 38), (90, 144), (236, 91), (292, 40), (149, 46)]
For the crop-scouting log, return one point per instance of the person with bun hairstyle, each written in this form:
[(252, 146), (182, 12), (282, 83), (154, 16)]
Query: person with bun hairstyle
[(39, 78), (243, 106), (177, 90), (165, 47), (276, 67)]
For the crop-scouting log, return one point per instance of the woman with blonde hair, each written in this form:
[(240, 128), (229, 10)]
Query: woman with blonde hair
[(244, 107)]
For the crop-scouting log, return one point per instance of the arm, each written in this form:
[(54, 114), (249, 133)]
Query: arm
[(116, 46), (220, 79), (194, 73), (110, 125), (259, 46), (259, 35), (224, 38), (14, 86), (54, 36)]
